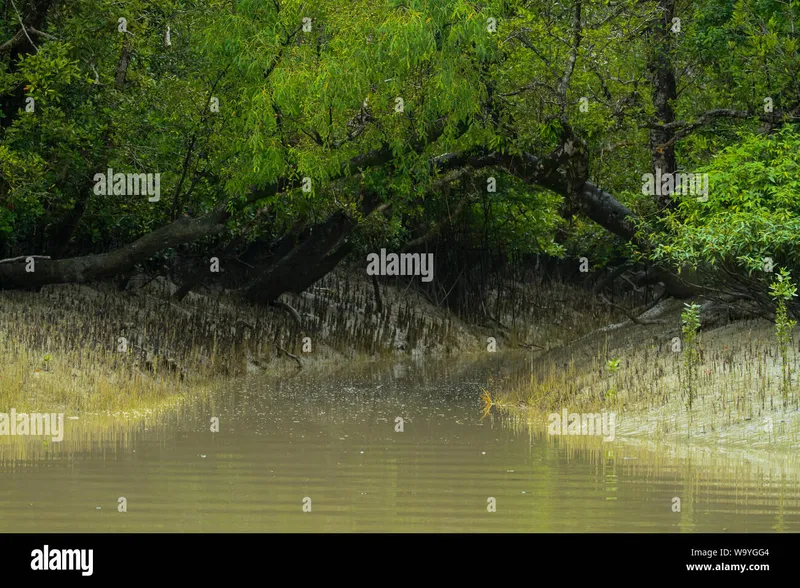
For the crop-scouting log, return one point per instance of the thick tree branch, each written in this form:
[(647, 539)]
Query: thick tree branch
[(122, 66), (105, 265), (13, 42), (664, 92)]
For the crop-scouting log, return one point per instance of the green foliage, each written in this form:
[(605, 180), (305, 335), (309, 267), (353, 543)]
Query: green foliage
[(298, 103), (752, 212), (782, 290), (612, 365), (690, 327)]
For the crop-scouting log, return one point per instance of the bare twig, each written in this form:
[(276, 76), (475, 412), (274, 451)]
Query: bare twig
[(631, 316), (24, 258), (294, 357)]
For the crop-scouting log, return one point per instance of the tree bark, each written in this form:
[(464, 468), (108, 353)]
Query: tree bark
[(664, 92), (302, 265)]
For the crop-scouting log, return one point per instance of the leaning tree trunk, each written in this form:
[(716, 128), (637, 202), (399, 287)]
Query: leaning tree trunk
[(306, 263), (105, 265)]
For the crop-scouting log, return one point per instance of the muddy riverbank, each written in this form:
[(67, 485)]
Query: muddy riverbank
[(107, 356), (639, 373)]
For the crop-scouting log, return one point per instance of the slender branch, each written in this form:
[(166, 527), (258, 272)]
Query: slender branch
[(22, 24), (294, 357), (684, 128), (23, 257), (518, 35), (563, 85)]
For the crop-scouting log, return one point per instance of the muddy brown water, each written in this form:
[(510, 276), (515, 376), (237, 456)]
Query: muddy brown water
[(328, 435)]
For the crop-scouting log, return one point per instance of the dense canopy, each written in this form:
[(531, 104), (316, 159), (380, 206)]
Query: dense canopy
[(289, 135)]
